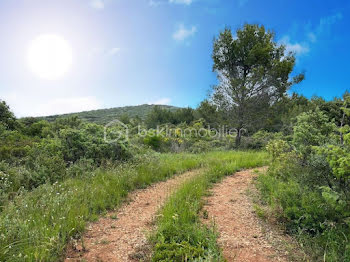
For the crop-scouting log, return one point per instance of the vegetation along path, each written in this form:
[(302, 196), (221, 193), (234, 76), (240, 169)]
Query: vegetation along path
[(122, 235), (241, 235)]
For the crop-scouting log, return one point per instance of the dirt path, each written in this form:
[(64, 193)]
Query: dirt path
[(242, 236), (122, 235)]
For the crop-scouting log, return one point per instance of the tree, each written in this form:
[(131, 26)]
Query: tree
[(312, 128), (125, 119), (7, 118), (158, 116), (183, 115), (210, 114), (253, 72), (282, 115)]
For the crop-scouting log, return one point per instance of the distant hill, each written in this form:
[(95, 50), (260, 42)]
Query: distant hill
[(103, 116)]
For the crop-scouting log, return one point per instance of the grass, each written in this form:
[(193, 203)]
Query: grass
[(307, 216), (37, 225), (180, 235)]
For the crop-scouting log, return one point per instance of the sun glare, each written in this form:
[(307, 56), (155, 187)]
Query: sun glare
[(49, 56)]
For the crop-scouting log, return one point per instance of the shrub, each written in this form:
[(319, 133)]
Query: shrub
[(36, 225), (155, 142), (308, 185), (312, 129)]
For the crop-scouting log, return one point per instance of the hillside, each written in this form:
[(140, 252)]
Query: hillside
[(103, 116)]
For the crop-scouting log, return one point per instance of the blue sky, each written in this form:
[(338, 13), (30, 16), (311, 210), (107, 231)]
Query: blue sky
[(130, 52)]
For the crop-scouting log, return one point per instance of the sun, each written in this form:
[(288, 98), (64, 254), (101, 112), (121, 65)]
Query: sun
[(49, 56)]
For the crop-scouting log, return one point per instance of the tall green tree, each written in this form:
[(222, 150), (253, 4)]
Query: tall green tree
[(183, 115), (159, 116), (210, 114), (282, 114), (253, 72), (7, 118)]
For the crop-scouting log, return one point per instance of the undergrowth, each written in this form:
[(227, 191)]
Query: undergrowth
[(37, 225), (180, 235), (311, 217)]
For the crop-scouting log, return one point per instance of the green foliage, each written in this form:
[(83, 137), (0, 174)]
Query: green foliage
[(259, 140), (201, 146), (159, 116), (155, 142), (14, 145), (38, 152), (46, 163), (180, 235), (39, 129), (88, 142), (184, 115), (36, 225), (283, 113), (248, 66), (317, 218), (308, 183), (312, 129), (104, 116), (278, 148), (7, 118), (210, 114), (58, 172), (183, 251)]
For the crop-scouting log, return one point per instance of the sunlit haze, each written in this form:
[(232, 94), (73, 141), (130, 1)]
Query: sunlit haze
[(63, 56), (49, 56)]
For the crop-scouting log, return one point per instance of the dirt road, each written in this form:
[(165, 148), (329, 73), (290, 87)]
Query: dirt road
[(242, 237), (122, 235)]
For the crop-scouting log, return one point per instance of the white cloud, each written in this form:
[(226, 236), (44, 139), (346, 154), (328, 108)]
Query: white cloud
[(183, 2), (297, 48), (324, 26), (182, 33), (154, 3), (162, 101), (113, 51), (97, 4), (67, 105), (312, 35), (28, 107)]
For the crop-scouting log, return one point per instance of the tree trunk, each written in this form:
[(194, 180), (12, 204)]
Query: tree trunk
[(238, 138), (340, 132)]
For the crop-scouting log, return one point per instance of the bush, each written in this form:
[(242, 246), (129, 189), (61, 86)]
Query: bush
[(14, 146), (308, 185), (317, 218), (312, 129), (36, 225), (155, 142)]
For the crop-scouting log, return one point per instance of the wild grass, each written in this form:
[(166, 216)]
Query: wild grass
[(180, 235), (313, 218), (37, 225)]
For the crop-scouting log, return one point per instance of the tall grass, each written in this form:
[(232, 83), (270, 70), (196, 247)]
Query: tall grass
[(313, 218), (180, 236), (37, 225)]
